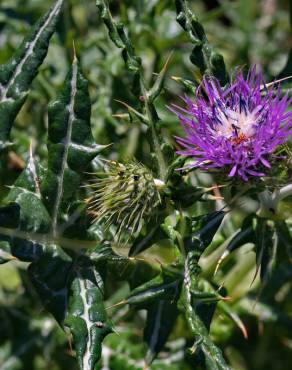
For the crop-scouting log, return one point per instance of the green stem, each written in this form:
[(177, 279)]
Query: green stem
[(153, 120), (203, 55), (134, 65)]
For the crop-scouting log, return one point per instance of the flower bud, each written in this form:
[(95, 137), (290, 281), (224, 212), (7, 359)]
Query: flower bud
[(123, 196)]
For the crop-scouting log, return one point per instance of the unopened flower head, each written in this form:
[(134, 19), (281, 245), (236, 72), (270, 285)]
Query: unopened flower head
[(237, 128), (125, 195)]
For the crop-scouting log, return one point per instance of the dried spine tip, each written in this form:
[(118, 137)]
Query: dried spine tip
[(123, 196)]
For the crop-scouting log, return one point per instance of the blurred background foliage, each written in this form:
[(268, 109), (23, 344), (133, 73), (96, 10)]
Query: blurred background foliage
[(246, 32)]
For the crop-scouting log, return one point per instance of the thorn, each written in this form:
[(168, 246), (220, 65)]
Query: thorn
[(213, 197), (109, 161), (175, 78), (216, 191), (131, 109), (159, 263), (117, 304), (74, 52), (166, 65), (255, 275), (214, 187), (223, 256), (195, 345), (115, 331), (168, 60), (220, 287), (275, 82), (120, 115), (243, 329), (237, 320), (227, 298)]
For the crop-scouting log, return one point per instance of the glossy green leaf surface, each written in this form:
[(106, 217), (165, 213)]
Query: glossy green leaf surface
[(87, 317), (17, 74), (203, 229), (161, 317), (70, 144), (165, 286)]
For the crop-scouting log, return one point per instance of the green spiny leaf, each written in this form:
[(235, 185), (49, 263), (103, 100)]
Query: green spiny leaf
[(29, 239), (245, 235), (161, 317), (203, 229), (155, 90), (165, 286), (264, 248), (87, 319), (25, 192), (231, 312), (50, 275), (17, 74), (23, 236), (184, 194), (189, 85), (70, 144)]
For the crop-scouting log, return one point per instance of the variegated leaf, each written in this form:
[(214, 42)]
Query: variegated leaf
[(17, 74), (70, 144), (87, 319), (161, 317)]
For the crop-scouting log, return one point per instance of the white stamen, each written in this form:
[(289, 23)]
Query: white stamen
[(244, 121)]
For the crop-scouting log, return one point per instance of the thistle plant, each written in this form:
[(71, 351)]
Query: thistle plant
[(148, 233)]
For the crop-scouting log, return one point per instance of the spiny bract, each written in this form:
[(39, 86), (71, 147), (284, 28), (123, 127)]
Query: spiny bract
[(123, 196)]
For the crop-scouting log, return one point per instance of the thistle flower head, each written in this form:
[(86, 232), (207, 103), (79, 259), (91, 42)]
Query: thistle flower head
[(235, 128), (123, 196)]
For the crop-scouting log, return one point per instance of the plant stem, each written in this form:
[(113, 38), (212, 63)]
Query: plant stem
[(145, 95), (203, 55), (155, 142)]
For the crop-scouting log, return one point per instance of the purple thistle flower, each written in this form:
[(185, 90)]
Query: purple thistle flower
[(236, 128)]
